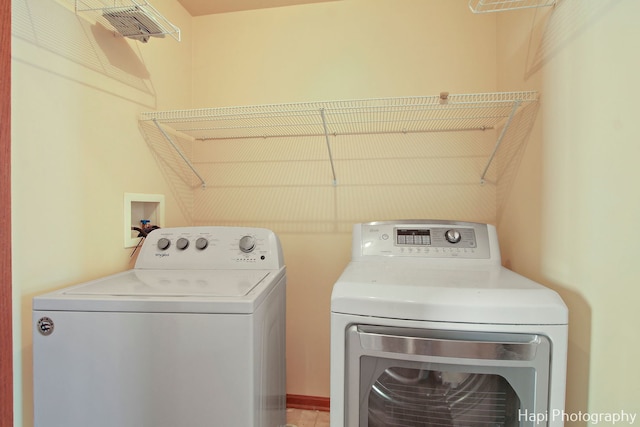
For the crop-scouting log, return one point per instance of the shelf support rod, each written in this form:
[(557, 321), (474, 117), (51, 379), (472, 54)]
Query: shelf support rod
[(175, 147), (326, 136), (516, 105)]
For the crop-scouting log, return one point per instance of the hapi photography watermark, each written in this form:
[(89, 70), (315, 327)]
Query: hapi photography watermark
[(594, 418)]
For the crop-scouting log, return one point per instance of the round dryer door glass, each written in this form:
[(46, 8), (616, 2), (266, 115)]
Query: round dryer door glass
[(421, 397)]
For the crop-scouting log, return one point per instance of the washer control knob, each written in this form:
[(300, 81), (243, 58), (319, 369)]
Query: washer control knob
[(247, 244), (164, 243), (452, 236), (182, 243), (202, 243)]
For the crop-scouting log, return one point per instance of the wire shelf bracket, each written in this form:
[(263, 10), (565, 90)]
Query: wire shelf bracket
[(485, 6), (180, 153), (326, 136), (516, 106)]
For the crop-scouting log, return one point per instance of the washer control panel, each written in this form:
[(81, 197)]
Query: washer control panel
[(423, 239), (211, 247)]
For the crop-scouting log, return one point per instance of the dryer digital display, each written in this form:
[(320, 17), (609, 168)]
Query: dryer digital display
[(407, 236)]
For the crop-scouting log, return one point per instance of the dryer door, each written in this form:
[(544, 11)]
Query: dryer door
[(417, 377)]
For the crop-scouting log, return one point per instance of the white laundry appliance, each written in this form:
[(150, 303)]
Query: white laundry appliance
[(428, 329), (193, 336)]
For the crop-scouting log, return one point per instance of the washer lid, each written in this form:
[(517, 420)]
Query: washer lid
[(174, 283), (467, 294), (201, 291)]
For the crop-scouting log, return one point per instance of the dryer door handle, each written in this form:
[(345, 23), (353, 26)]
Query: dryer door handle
[(424, 342)]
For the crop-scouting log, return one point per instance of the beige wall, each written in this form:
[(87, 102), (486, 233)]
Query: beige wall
[(331, 51), (342, 50), (570, 220), (76, 149)]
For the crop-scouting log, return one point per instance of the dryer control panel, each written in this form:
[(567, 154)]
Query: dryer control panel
[(425, 239), (211, 247)]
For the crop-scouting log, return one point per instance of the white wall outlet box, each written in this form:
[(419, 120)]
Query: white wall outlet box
[(138, 207)]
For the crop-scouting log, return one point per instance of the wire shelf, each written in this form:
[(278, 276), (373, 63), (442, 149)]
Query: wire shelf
[(437, 113), (137, 20), (484, 6), (381, 115)]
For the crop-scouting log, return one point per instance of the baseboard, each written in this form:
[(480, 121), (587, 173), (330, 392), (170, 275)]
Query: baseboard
[(308, 402)]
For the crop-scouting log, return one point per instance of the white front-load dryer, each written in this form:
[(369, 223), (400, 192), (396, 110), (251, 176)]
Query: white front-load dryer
[(193, 336), (428, 329)]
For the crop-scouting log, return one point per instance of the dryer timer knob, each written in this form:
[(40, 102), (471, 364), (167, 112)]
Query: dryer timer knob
[(452, 236), (247, 244)]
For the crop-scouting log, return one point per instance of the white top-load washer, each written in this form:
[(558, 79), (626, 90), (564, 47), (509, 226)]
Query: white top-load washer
[(422, 302), (193, 336)]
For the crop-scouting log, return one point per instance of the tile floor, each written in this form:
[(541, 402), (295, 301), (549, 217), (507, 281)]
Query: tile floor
[(307, 418)]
